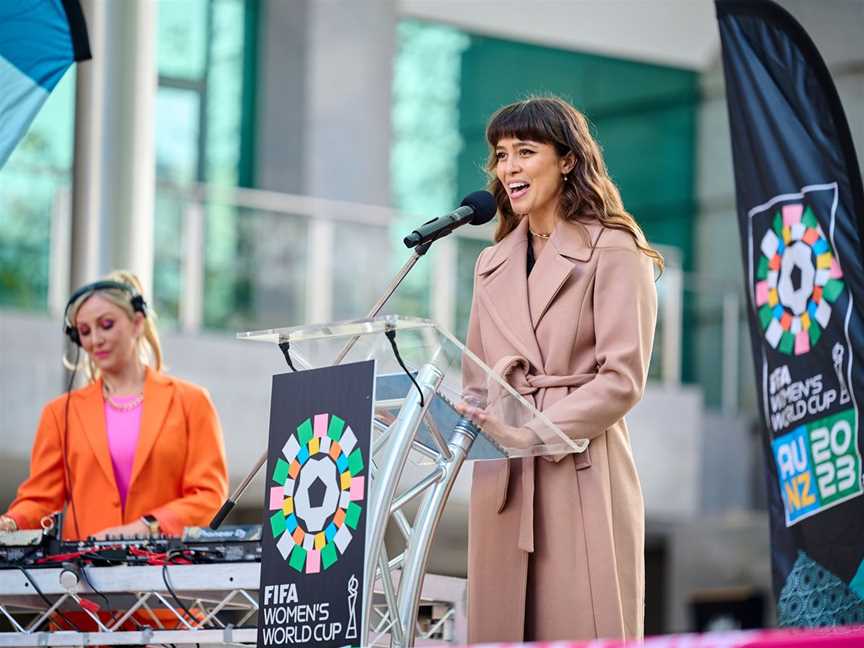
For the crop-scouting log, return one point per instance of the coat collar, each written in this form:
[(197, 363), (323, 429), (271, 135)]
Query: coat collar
[(90, 408), (505, 292), (575, 241), (518, 303), (570, 243)]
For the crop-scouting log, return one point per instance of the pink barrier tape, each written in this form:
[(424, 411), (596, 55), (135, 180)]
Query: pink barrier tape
[(846, 637)]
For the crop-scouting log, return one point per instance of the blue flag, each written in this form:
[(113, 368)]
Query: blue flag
[(800, 210), (39, 41)]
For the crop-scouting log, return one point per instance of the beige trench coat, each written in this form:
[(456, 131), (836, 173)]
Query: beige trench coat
[(556, 547)]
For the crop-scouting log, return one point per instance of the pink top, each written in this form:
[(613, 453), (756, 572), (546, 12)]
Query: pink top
[(123, 427)]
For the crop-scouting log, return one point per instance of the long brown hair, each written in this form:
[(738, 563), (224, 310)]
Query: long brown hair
[(588, 192)]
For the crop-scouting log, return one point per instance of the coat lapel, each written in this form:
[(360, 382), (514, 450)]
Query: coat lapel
[(505, 292), (90, 410), (570, 243), (158, 393)]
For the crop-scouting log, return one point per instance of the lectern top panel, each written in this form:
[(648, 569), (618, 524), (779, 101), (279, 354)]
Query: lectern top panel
[(343, 329), (401, 346)]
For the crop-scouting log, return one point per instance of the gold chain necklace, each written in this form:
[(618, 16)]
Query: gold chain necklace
[(538, 235), (127, 406)]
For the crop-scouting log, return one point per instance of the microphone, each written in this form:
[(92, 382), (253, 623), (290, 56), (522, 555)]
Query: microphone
[(476, 208)]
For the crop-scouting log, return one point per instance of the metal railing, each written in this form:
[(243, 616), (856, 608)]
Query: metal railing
[(289, 259)]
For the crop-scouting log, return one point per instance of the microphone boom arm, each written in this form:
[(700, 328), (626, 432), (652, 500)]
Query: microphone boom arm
[(476, 208), (231, 502)]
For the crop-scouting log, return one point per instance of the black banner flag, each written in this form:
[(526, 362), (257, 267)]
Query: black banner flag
[(800, 207), (314, 541)]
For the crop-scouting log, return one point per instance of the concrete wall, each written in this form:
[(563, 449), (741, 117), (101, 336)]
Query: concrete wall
[(323, 126), (668, 450), (712, 556)]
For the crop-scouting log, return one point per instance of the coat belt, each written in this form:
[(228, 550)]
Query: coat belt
[(515, 370)]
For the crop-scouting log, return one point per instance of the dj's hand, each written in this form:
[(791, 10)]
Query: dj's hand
[(135, 529), (7, 524), (507, 436)]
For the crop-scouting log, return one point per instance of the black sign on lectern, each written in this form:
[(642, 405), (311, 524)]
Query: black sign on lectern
[(314, 538)]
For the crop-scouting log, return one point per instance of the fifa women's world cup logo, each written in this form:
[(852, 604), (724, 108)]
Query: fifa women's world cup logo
[(797, 280), (316, 494), (807, 397)]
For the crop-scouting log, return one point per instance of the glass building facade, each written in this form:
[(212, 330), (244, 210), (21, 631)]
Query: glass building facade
[(446, 84)]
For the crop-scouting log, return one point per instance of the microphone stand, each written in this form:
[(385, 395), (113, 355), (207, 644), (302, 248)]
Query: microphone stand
[(417, 252)]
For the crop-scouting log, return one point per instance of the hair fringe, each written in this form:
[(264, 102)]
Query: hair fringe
[(589, 193)]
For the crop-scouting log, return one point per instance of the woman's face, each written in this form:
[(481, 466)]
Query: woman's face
[(107, 333), (531, 173)]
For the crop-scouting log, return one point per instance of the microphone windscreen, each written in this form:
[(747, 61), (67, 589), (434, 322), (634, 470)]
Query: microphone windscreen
[(483, 204)]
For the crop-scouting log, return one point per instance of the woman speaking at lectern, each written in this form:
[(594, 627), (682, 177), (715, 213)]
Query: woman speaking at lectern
[(564, 307), (135, 452)]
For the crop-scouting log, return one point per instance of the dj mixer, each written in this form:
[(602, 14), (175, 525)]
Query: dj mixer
[(37, 549)]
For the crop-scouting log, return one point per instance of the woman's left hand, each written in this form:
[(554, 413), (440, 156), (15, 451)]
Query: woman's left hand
[(507, 436), (135, 529)]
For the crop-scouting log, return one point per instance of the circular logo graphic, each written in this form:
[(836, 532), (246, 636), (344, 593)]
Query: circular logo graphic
[(317, 493), (797, 280)]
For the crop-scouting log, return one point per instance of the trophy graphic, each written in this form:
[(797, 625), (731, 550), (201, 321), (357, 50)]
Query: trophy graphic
[(353, 583), (837, 356)]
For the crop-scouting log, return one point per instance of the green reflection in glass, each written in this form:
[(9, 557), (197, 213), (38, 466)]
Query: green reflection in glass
[(182, 38), (176, 135), (224, 92), (168, 253), (467, 252), (426, 141), (264, 283), (201, 55), (38, 168), (230, 286)]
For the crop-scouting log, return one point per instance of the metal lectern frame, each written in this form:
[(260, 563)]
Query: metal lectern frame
[(412, 415)]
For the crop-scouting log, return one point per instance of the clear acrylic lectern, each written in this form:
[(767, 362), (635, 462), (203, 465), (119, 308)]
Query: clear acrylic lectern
[(417, 386)]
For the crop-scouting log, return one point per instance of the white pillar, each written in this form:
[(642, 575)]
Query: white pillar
[(59, 261), (192, 303), (114, 167), (129, 172), (444, 255), (85, 248), (672, 325), (349, 71), (319, 266)]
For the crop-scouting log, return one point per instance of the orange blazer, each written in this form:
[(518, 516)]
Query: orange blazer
[(179, 473)]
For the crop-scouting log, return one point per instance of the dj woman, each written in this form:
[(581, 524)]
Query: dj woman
[(134, 453)]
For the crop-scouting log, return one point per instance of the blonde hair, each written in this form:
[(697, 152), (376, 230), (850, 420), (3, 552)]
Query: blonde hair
[(588, 192), (148, 348)]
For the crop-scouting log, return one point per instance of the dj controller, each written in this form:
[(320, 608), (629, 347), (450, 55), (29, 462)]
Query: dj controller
[(199, 588), (197, 545)]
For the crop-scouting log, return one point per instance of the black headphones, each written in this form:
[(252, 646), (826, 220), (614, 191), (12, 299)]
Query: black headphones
[(135, 300)]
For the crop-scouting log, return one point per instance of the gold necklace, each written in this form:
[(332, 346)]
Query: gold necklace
[(538, 235), (127, 406)]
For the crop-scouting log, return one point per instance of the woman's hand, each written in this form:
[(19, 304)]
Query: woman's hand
[(135, 529), (7, 524), (507, 436)]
